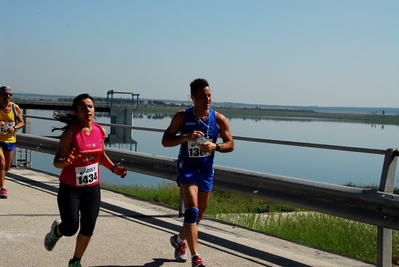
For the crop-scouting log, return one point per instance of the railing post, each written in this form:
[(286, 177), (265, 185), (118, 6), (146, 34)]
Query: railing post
[(387, 184), (25, 129), (181, 205), (14, 161)]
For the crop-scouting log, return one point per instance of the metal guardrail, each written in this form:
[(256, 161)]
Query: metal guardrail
[(379, 208), (359, 204)]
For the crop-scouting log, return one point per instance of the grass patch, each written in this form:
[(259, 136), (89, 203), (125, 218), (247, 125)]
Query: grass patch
[(342, 236), (349, 238), (166, 193), (221, 202)]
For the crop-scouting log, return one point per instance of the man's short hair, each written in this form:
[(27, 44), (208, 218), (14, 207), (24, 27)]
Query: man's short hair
[(198, 84)]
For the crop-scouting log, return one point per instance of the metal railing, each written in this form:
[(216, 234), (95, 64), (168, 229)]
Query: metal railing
[(379, 208)]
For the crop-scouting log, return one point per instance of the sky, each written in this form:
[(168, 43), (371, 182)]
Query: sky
[(287, 52)]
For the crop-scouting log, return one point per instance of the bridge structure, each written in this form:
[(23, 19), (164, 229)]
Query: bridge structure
[(65, 104), (118, 116), (55, 106), (110, 97)]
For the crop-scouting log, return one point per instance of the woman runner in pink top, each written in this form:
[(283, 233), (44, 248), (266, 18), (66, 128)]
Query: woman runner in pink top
[(80, 153)]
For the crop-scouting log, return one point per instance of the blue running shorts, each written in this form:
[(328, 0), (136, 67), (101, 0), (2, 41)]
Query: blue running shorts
[(190, 175)]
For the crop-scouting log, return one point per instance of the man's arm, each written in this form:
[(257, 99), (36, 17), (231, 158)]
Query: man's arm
[(20, 118), (225, 133), (172, 138)]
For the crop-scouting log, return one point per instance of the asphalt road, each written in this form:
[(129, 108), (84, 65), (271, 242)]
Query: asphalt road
[(132, 233)]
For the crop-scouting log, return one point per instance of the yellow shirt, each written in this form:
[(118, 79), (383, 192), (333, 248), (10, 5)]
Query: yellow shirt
[(9, 118)]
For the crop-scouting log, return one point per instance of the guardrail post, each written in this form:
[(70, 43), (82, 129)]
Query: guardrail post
[(25, 129), (387, 184), (181, 205), (14, 162)]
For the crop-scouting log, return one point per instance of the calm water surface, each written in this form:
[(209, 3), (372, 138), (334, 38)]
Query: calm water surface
[(337, 167)]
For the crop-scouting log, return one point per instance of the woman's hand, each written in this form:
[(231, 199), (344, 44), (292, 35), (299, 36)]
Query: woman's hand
[(71, 157), (120, 171)]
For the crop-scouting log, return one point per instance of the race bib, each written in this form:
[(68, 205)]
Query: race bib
[(194, 150), (86, 175), (4, 128)]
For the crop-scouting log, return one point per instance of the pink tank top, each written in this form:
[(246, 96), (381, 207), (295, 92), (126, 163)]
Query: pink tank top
[(85, 171)]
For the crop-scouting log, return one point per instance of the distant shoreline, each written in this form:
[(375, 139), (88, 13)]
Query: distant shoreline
[(284, 114), (334, 109), (383, 116)]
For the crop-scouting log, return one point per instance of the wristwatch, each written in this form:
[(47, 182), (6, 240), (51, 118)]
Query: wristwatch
[(15, 128), (217, 147)]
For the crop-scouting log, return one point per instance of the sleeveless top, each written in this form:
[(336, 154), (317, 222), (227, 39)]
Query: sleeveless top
[(190, 152), (10, 120), (85, 170)]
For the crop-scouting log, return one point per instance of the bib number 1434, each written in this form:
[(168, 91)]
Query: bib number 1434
[(86, 175)]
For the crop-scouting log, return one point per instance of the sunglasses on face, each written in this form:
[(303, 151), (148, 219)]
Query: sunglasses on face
[(8, 94)]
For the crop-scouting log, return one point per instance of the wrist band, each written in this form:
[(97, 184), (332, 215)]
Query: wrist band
[(113, 168)]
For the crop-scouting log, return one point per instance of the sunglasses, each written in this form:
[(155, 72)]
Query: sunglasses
[(7, 94)]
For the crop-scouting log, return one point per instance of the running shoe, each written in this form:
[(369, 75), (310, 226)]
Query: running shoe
[(180, 249), (51, 239), (75, 264), (196, 261), (3, 192)]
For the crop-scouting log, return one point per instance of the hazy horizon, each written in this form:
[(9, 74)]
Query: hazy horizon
[(301, 53), (216, 102)]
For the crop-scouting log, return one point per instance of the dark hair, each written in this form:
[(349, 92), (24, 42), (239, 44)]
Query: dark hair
[(198, 84), (70, 118)]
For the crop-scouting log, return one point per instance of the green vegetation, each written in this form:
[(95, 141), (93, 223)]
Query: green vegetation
[(345, 237), (338, 235)]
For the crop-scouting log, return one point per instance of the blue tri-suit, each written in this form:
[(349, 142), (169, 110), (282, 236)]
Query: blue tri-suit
[(193, 166)]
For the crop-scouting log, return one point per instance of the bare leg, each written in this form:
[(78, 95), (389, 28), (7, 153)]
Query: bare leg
[(2, 167), (5, 164), (81, 245), (191, 235), (8, 158), (193, 198)]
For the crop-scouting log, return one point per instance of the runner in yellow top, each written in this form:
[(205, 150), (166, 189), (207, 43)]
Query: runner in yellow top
[(11, 121)]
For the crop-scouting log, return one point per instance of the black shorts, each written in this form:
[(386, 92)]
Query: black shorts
[(72, 200)]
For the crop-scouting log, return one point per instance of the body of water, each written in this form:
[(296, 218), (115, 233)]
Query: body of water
[(330, 166)]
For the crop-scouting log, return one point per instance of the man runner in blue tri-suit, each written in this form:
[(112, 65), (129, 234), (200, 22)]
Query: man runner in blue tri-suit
[(196, 130)]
